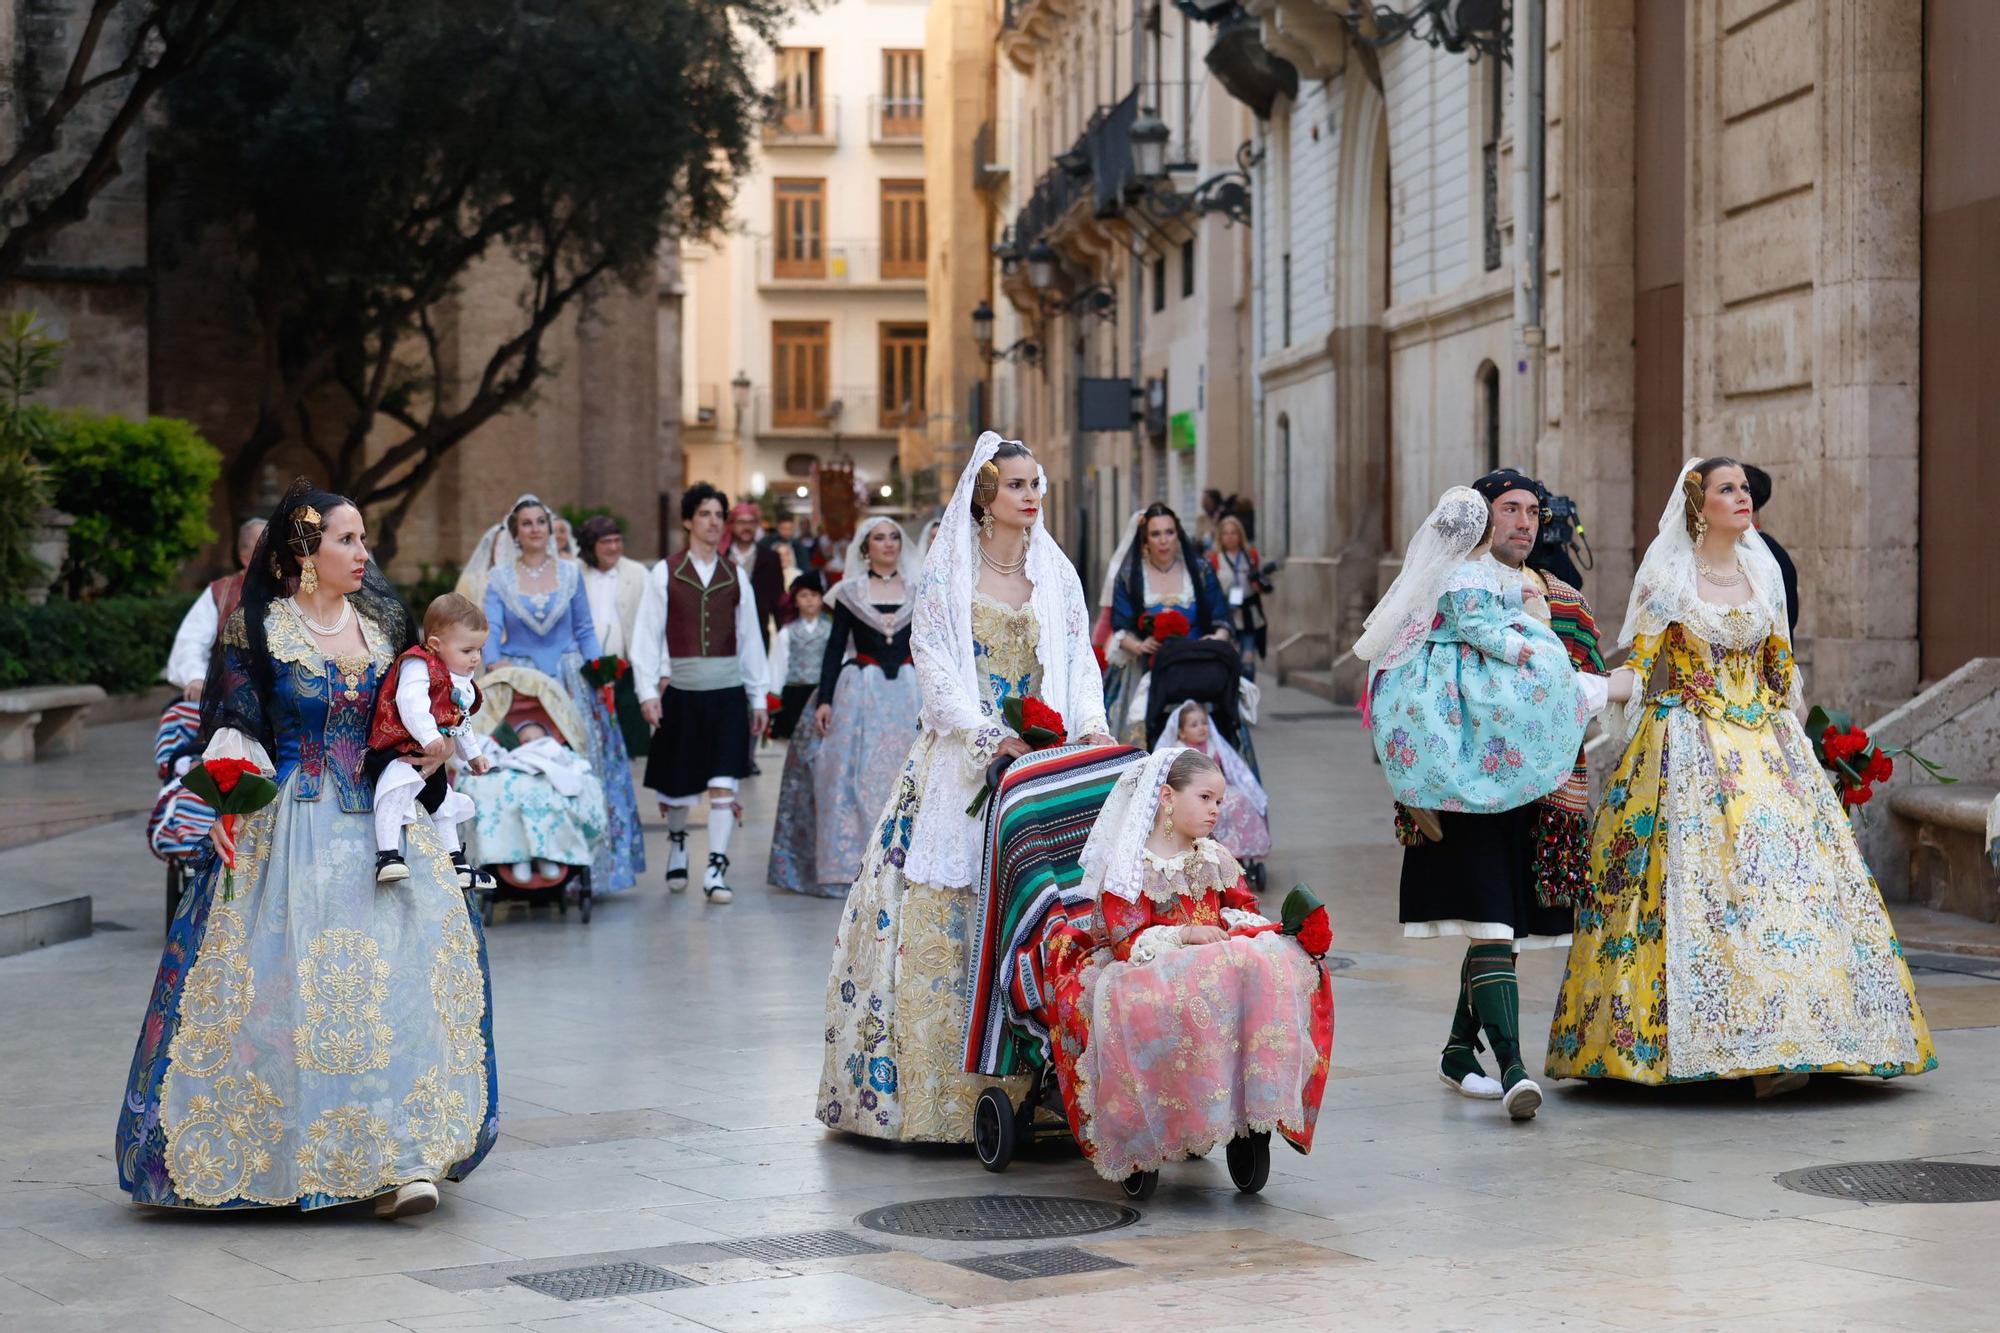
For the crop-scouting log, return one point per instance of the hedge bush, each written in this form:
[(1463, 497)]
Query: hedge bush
[(120, 643), (140, 493)]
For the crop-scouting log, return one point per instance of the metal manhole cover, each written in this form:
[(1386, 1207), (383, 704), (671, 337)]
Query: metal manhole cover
[(601, 1280), (1898, 1182), (802, 1245), (1027, 1264), (998, 1217)]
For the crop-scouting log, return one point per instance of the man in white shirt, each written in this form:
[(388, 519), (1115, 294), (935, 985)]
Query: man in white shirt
[(615, 585), (194, 641), (698, 663)]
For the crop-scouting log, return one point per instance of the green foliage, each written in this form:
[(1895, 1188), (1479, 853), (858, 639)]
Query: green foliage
[(433, 582), (29, 359), (119, 642), (140, 492)]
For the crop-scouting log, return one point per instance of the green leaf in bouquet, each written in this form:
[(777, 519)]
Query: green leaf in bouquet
[(1012, 711), (1039, 737), (1300, 903)]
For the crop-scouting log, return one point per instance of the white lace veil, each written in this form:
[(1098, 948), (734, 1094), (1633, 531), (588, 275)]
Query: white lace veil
[(1110, 589), (924, 540), (496, 547), (1667, 585), (1234, 771), (857, 550), (1111, 858), (1402, 620)]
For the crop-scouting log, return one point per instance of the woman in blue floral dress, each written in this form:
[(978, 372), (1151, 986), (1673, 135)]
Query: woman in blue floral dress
[(539, 616), (311, 1039)]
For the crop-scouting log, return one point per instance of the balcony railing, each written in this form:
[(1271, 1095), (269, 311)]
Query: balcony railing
[(896, 120), (814, 126), (702, 406), (836, 263), (861, 411)]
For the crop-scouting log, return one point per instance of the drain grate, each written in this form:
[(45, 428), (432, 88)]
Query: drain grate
[(601, 1280), (1898, 1182), (998, 1217), (1058, 1262), (802, 1245)]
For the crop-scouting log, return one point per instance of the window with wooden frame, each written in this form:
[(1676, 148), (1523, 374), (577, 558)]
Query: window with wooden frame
[(902, 94), (905, 359), (800, 234), (800, 109), (800, 350), (904, 229)]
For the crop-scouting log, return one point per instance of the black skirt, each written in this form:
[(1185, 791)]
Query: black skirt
[(791, 708), (703, 734), (1483, 872)]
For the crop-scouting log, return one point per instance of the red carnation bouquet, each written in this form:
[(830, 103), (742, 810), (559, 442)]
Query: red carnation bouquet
[(1041, 726), (1855, 762), (231, 787), (1305, 919), (1164, 625), (605, 673)]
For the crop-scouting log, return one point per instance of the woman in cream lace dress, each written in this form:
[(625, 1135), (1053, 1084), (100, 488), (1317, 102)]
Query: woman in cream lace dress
[(1000, 614)]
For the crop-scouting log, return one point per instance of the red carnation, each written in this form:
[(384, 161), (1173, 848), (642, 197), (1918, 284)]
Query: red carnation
[(772, 703), (1171, 625), (1860, 795), (1035, 713), (1316, 935), (228, 772), (1880, 767)]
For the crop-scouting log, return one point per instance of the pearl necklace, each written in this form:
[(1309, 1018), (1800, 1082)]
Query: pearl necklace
[(535, 571), (1732, 579), (325, 631), (1008, 568)]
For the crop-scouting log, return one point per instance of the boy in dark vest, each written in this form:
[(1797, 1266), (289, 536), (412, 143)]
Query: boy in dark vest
[(429, 704), (698, 663)]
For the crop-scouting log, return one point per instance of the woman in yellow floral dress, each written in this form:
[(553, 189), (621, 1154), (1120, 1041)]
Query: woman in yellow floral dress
[(1733, 929)]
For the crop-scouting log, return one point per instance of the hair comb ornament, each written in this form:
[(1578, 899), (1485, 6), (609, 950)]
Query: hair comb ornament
[(308, 526)]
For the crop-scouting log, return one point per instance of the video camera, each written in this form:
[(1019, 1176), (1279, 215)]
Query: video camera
[(1562, 536)]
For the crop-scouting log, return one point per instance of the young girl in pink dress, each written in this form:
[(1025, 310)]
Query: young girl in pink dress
[(1244, 827)]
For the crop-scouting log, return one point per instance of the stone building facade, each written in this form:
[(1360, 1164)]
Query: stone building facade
[(1757, 222)]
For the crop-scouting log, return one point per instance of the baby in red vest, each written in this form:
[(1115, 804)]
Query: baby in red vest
[(433, 699)]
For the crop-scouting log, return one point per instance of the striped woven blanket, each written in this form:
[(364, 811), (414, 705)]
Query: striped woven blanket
[(1029, 890), (180, 724)]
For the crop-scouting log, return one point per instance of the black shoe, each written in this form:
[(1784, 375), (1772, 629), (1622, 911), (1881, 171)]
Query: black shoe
[(716, 882), (391, 868), (755, 769), (677, 861), (469, 876)]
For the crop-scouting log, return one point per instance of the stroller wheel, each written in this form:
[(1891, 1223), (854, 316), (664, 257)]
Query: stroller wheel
[(583, 905), (995, 1133), (1141, 1184), (1250, 1161), (1256, 873)]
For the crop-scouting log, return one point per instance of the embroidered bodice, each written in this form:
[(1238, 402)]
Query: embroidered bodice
[(1182, 599), (1203, 886), (1728, 663), (1003, 645), (320, 708), (882, 637), (539, 629)]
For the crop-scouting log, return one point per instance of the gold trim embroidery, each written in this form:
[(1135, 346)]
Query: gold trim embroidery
[(343, 980), (225, 1140), (215, 998), (348, 1153), (438, 1125), (460, 994)]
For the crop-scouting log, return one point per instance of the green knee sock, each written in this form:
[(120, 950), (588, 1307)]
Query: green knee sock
[(1461, 1049), (1496, 999)]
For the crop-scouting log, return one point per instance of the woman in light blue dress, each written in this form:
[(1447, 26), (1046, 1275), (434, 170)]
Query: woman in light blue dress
[(311, 1038), (538, 615)]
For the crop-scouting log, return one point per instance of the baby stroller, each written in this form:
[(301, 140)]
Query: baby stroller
[(1030, 895), (177, 829), (519, 704), (1208, 672)]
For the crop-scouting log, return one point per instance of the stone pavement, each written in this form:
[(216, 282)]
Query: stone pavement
[(657, 1070)]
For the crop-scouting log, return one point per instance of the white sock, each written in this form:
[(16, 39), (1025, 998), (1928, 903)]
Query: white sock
[(677, 819), (448, 835), (721, 823)]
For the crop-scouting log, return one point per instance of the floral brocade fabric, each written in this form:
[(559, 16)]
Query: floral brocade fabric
[(1164, 1050), (1731, 927), (896, 996)]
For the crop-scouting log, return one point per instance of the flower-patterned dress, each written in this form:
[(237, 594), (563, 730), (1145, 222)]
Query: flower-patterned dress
[(1732, 927), (1459, 726), (897, 992), (1163, 1049), (312, 1039)]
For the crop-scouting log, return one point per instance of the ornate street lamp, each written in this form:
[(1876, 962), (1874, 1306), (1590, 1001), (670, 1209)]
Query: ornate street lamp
[(1149, 135), (1226, 192), (1023, 349), (739, 397), (1481, 27), (982, 326), (1042, 261)]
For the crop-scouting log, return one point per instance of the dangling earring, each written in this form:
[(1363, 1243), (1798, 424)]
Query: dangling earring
[(1166, 820), (1700, 528), (986, 526), (308, 577)]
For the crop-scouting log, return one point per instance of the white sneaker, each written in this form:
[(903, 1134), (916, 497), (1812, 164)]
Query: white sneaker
[(677, 862), (1523, 1099), (1477, 1086), (523, 871), (411, 1200), (714, 882)]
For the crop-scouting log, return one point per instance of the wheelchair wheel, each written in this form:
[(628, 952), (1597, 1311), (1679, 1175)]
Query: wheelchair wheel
[(1250, 1161), (995, 1132), (1140, 1185)]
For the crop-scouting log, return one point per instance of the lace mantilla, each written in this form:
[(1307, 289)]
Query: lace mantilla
[(1202, 869)]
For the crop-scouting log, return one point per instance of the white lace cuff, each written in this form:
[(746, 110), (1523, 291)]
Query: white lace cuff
[(1596, 691), (1154, 941), (229, 743), (1236, 918), (981, 744)]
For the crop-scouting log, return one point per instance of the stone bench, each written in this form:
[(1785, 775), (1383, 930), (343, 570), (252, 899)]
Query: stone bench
[(42, 720), (1949, 867)]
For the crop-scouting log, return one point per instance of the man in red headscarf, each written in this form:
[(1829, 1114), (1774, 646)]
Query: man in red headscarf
[(759, 562)]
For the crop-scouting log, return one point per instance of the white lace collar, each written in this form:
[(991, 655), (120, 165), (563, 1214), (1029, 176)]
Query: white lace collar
[(507, 581)]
